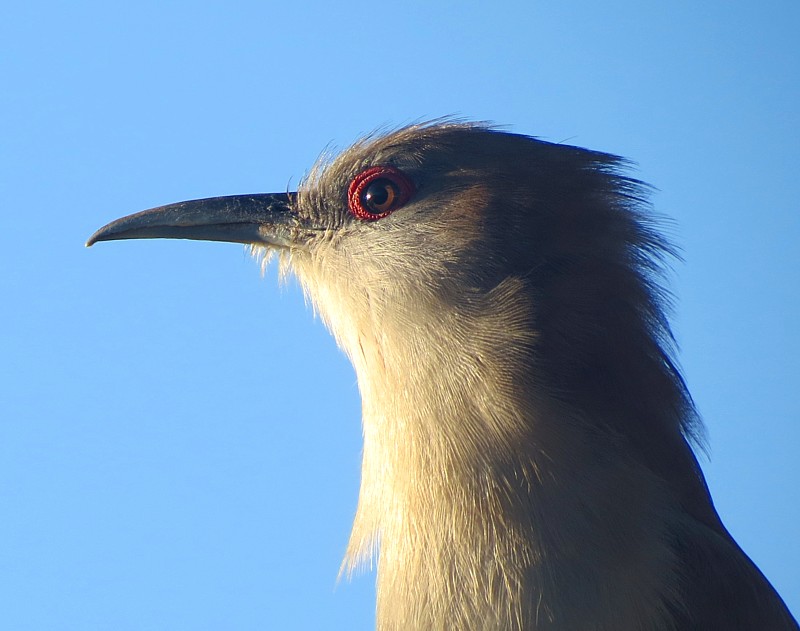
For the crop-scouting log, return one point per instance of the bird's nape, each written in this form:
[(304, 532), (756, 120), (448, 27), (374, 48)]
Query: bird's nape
[(527, 454)]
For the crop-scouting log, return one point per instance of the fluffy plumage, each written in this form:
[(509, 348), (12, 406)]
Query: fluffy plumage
[(526, 459)]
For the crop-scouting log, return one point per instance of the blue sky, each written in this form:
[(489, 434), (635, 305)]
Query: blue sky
[(179, 437)]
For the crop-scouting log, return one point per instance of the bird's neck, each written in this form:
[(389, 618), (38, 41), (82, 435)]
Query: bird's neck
[(495, 506)]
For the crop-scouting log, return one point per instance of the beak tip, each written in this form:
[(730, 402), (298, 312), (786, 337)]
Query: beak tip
[(109, 232), (94, 239)]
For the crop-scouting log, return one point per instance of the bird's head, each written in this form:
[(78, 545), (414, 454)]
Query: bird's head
[(433, 216)]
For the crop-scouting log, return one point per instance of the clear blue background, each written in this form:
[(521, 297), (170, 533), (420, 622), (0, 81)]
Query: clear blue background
[(179, 438)]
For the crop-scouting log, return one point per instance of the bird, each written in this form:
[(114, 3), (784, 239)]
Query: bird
[(529, 458)]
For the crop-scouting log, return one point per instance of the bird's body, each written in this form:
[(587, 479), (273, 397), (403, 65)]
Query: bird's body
[(527, 461)]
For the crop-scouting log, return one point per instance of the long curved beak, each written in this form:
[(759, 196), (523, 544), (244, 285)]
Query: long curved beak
[(263, 218)]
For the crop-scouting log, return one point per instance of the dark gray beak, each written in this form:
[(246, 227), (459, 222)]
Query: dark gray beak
[(262, 218)]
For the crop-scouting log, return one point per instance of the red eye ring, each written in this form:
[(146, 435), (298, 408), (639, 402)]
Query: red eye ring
[(377, 192)]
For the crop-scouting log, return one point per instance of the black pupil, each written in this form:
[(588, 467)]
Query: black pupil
[(378, 195)]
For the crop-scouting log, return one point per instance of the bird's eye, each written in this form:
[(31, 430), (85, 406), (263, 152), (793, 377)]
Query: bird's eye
[(377, 192)]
